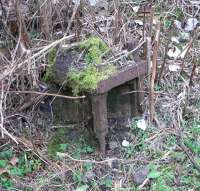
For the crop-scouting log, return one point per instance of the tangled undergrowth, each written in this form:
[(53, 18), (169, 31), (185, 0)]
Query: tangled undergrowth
[(37, 154)]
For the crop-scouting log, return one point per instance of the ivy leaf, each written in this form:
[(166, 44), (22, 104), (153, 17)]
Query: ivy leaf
[(107, 182), (63, 147), (6, 154), (88, 166), (16, 171), (6, 183), (154, 174), (3, 163)]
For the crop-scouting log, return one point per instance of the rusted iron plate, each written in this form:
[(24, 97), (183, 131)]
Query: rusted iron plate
[(122, 77)]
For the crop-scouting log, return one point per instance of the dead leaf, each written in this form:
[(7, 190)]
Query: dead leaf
[(14, 161), (3, 170)]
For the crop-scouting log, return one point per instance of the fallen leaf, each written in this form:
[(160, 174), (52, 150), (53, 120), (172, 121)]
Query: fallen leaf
[(3, 170), (141, 124), (14, 161)]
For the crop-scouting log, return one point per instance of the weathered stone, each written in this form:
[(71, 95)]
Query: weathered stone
[(140, 175)]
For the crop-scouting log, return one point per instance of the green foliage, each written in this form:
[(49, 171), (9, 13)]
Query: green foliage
[(95, 48), (162, 178), (160, 185), (168, 23), (178, 12), (6, 154), (49, 75), (78, 176), (128, 151), (34, 34), (167, 17), (192, 140), (154, 174), (63, 147), (140, 135), (87, 166), (59, 143), (26, 164), (195, 129), (3, 163), (5, 182), (88, 79), (106, 182), (82, 148), (193, 144), (15, 171)]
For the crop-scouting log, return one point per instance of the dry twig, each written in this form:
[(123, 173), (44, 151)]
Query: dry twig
[(153, 73)]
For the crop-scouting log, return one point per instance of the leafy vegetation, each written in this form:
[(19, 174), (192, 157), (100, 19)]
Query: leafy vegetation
[(60, 144), (12, 166)]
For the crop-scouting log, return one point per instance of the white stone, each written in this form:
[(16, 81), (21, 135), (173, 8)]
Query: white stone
[(141, 124), (139, 22), (125, 143), (174, 52), (136, 9), (174, 68), (191, 24), (174, 39)]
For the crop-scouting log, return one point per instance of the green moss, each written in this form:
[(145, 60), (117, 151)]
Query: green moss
[(56, 141), (88, 79), (61, 141), (95, 49), (49, 75)]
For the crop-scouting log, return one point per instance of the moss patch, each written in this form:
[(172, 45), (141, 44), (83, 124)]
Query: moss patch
[(88, 79), (71, 139), (95, 50), (50, 75)]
